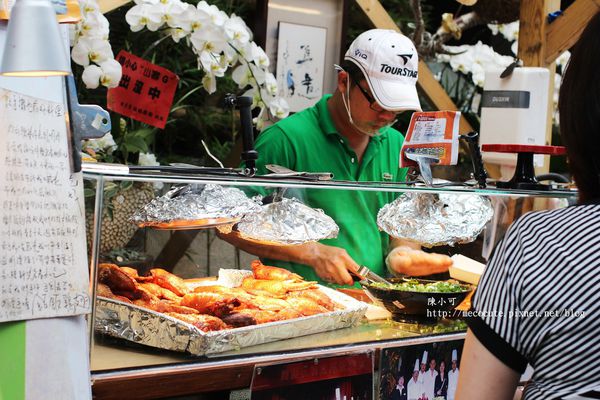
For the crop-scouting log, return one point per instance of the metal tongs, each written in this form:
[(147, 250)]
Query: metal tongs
[(365, 274), (282, 172)]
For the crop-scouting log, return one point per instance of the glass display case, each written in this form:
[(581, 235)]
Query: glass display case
[(127, 369)]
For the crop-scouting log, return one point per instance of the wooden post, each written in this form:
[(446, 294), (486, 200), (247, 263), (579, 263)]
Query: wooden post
[(433, 91), (532, 50), (565, 31)]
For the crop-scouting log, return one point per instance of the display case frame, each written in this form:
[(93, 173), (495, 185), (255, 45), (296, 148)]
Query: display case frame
[(136, 372)]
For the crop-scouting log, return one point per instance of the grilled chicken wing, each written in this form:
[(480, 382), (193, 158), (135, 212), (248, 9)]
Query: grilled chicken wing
[(277, 288), (159, 291), (117, 280), (203, 322), (262, 271), (306, 306), (317, 296), (210, 303), (169, 281)]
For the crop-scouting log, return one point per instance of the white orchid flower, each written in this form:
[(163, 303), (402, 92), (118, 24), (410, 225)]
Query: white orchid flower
[(279, 107), (143, 15), (89, 6), (177, 34), (185, 21), (510, 31), (236, 30), (91, 76), (91, 50), (248, 74), (108, 73), (170, 12), (261, 120), (112, 72), (241, 75), (257, 100), (477, 74), (217, 17), (209, 83), (270, 84), (232, 55), (259, 56), (147, 160), (493, 28), (210, 39), (95, 25), (105, 143), (563, 59), (212, 64)]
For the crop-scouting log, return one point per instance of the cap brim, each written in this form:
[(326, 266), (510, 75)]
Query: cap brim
[(395, 96)]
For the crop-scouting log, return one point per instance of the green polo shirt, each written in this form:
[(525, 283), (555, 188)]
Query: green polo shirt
[(308, 141)]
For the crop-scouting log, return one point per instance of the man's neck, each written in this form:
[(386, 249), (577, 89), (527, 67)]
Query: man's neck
[(356, 140)]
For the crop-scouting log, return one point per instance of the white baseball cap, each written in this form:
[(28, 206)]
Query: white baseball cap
[(390, 63)]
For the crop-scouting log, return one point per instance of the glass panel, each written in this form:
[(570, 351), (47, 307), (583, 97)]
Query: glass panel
[(201, 253)]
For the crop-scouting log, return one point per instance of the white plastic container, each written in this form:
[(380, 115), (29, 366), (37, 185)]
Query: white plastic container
[(514, 111)]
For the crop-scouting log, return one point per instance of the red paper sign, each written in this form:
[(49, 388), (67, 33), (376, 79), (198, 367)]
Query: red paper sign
[(145, 92)]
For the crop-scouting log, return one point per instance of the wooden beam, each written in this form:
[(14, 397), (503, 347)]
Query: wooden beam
[(562, 34), (437, 96), (377, 14), (109, 5), (532, 31), (532, 50), (433, 91)]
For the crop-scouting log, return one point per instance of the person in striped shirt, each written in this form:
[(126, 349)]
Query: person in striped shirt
[(538, 301)]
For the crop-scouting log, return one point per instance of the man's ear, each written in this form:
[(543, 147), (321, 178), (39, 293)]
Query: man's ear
[(342, 81)]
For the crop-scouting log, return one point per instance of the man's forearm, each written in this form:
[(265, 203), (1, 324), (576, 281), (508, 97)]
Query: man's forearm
[(301, 253)]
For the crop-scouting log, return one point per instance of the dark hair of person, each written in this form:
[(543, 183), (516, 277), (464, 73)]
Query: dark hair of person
[(579, 107), (353, 70)]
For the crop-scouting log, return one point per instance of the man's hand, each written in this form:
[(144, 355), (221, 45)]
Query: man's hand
[(332, 263), (408, 261)]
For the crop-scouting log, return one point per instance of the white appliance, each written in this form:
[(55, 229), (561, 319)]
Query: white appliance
[(514, 111)]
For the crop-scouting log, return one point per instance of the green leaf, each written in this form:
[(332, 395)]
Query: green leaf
[(136, 144), (124, 185), (87, 192), (145, 133), (110, 193)]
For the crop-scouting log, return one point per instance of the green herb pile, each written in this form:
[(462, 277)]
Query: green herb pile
[(415, 286)]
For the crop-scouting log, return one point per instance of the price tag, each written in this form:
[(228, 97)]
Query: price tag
[(433, 134)]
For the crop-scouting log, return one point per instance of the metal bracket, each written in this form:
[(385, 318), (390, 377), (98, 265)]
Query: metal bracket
[(86, 121), (424, 161)]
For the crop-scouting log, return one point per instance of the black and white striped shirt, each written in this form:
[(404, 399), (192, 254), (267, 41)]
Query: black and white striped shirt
[(538, 301)]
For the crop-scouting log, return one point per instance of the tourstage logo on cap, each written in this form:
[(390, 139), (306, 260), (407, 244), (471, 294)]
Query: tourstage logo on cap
[(405, 57), (388, 69), (400, 71)]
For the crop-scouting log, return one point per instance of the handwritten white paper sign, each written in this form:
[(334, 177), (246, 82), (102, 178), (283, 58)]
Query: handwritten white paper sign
[(43, 263)]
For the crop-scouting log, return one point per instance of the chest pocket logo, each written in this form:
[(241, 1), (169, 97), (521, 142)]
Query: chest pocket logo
[(386, 176)]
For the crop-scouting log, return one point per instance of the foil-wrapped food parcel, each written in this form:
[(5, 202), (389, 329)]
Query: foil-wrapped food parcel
[(201, 317), (196, 206), (435, 219), (287, 222)]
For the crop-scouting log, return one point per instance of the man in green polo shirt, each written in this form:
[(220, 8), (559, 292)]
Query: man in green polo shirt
[(349, 134)]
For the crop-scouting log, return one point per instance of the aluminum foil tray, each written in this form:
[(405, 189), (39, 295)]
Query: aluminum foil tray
[(435, 219), (194, 207), (287, 222), (147, 327)]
